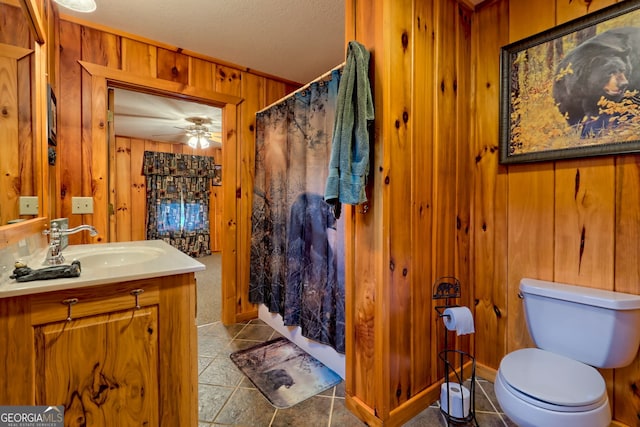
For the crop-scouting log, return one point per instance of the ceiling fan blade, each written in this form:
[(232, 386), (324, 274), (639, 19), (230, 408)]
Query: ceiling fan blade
[(169, 134)]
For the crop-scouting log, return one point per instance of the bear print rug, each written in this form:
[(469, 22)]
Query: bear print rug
[(283, 372)]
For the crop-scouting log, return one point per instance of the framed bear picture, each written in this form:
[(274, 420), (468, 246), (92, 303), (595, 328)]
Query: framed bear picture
[(574, 90)]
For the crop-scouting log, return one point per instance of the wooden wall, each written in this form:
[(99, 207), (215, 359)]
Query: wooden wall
[(19, 161), (573, 221), (441, 204), (129, 196), (417, 228), (82, 170)]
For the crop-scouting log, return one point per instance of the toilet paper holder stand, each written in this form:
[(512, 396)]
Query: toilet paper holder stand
[(447, 289)]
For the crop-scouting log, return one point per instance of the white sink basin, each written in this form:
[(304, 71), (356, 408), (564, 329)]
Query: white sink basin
[(108, 263), (114, 256)]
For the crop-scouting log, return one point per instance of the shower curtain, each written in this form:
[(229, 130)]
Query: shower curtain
[(297, 244)]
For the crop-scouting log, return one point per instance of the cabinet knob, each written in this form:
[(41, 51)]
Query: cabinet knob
[(136, 293), (69, 302)]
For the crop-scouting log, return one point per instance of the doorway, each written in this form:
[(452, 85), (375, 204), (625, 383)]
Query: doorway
[(139, 122), (98, 79)]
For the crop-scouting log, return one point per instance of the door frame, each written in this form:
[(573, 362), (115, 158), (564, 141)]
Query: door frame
[(95, 116)]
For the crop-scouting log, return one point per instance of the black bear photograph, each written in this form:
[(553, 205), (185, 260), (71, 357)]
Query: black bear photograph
[(604, 67), (573, 90)]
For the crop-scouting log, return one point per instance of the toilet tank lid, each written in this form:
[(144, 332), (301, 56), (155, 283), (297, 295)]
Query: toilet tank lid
[(580, 294)]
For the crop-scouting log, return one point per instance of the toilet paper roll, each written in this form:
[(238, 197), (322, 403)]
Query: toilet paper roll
[(459, 319), (455, 400)]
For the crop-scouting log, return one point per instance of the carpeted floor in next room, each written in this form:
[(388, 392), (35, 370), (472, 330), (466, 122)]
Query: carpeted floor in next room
[(227, 398), (209, 293)]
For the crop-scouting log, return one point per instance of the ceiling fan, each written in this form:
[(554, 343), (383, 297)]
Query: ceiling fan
[(198, 133), (165, 119)]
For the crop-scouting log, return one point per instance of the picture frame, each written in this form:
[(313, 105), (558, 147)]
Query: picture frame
[(574, 90), (217, 175), (52, 117)]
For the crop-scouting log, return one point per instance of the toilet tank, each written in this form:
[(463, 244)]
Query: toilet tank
[(597, 327)]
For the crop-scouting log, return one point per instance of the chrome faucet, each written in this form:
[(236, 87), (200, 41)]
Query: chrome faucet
[(54, 252)]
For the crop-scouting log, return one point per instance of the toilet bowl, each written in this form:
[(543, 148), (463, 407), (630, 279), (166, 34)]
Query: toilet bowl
[(537, 388), (576, 330)]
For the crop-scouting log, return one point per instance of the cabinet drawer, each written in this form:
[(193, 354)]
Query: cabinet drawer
[(89, 301)]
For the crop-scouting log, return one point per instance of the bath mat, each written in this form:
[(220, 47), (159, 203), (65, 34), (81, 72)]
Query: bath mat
[(283, 372)]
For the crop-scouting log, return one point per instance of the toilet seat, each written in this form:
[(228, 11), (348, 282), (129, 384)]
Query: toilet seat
[(552, 381)]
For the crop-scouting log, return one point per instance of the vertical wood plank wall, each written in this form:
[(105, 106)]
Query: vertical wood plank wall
[(19, 163), (442, 204), (529, 219), (418, 227), (439, 202), (81, 169)]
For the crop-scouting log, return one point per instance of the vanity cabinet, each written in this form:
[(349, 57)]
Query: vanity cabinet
[(117, 354)]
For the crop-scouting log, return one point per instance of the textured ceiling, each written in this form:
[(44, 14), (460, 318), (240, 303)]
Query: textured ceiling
[(158, 118), (293, 39)]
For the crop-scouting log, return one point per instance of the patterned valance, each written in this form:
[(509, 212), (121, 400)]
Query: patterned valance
[(170, 164), (178, 191)]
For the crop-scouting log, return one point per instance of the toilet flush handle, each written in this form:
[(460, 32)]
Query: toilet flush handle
[(520, 295)]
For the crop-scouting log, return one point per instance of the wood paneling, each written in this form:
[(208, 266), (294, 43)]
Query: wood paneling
[(423, 374), (417, 228), (19, 163), (69, 89), (86, 52), (112, 342), (626, 381), (439, 202), (253, 92), (571, 221), (462, 213)]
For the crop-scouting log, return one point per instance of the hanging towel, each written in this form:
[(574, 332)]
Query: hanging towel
[(349, 162)]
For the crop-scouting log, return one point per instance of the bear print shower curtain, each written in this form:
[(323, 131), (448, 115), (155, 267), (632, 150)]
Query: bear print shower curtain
[(297, 249)]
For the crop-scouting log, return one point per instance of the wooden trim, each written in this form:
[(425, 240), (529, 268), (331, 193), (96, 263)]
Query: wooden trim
[(30, 9), (230, 265), (12, 233), (173, 48), (128, 79), (230, 184), (361, 410), (40, 130), (14, 52), (486, 372), (243, 317)]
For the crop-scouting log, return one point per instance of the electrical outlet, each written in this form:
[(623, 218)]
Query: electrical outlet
[(82, 205), (28, 205)]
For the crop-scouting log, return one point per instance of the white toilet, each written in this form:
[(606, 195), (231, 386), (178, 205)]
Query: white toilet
[(575, 328)]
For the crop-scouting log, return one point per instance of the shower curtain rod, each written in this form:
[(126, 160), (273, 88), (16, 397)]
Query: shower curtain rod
[(337, 67)]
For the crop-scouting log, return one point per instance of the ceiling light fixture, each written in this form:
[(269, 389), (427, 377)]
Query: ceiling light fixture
[(198, 138), (198, 133), (84, 6)]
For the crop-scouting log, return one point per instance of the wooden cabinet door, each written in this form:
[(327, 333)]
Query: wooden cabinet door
[(102, 368)]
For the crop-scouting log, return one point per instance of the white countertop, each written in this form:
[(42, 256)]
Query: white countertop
[(165, 261)]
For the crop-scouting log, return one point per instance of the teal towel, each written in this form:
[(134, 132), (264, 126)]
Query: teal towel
[(349, 161)]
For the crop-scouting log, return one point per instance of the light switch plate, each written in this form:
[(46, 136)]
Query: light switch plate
[(82, 205), (28, 205)]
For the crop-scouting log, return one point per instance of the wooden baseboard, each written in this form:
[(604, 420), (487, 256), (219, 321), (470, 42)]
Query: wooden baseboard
[(403, 413), (486, 372)]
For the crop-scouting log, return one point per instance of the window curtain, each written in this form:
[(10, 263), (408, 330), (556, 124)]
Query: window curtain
[(178, 190), (297, 249)]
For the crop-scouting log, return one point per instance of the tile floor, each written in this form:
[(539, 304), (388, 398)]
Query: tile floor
[(228, 398)]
